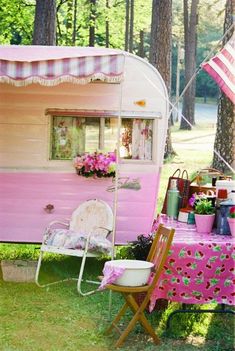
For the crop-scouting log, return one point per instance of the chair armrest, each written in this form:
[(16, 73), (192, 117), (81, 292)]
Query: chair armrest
[(109, 231), (66, 224)]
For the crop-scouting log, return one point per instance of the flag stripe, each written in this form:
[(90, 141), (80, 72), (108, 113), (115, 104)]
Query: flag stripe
[(221, 76), (230, 47), (225, 69), (230, 55), (219, 80), (221, 68), (226, 62)]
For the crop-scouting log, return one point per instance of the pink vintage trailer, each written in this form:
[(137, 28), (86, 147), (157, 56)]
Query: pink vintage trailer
[(56, 102)]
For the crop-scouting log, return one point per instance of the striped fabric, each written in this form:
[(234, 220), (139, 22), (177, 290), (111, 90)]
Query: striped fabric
[(222, 69), (19, 65)]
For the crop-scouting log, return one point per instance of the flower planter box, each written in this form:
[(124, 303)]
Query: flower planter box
[(18, 270)]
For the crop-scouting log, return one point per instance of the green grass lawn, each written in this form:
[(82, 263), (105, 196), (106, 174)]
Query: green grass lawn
[(58, 319)]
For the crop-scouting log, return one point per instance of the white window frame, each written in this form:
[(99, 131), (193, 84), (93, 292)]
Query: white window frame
[(103, 114)]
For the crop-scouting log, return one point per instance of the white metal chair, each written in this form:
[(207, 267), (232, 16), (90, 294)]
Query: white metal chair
[(86, 232)]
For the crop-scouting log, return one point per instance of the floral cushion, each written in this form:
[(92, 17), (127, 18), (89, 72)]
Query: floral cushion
[(70, 239)]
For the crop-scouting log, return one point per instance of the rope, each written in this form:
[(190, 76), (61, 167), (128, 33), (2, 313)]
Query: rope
[(195, 74), (175, 108), (116, 185), (190, 81), (225, 162), (205, 59)]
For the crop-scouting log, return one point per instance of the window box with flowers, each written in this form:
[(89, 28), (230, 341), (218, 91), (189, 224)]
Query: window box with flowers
[(96, 165)]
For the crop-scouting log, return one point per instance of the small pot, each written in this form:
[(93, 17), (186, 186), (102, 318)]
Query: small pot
[(231, 222), (204, 223), (223, 227)]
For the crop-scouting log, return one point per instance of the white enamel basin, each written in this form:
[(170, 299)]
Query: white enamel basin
[(136, 272)]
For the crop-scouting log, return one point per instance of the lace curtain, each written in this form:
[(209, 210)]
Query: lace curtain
[(142, 139)]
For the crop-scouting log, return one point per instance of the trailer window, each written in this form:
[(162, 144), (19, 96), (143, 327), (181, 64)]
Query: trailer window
[(71, 136), (136, 139)]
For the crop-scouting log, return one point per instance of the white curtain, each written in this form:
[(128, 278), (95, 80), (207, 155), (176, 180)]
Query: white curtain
[(142, 139)]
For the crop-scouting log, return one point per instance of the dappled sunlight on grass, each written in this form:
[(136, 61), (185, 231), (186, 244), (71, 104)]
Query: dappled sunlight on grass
[(195, 340), (58, 319)]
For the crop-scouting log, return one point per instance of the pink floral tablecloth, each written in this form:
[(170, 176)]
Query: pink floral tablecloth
[(200, 268)]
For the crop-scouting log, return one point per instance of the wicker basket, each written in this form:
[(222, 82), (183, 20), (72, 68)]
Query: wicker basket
[(202, 182), (18, 270)]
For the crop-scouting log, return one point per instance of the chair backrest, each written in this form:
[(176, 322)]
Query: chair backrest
[(159, 251), (92, 216)]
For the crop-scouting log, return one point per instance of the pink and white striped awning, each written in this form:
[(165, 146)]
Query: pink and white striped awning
[(222, 69), (51, 65)]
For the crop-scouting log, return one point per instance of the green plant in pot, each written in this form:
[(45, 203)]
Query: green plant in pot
[(204, 215)]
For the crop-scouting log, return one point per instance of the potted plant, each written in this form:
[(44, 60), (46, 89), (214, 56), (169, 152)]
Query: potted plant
[(204, 215), (231, 220)]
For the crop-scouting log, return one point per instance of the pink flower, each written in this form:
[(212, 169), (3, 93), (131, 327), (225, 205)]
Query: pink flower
[(78, 162), (192, 200), (96, 164), (232, 212)]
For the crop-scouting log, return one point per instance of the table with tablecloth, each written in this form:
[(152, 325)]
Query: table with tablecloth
[(200, 268)]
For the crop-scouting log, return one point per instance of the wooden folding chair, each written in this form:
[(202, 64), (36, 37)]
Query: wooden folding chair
[(157, 254)]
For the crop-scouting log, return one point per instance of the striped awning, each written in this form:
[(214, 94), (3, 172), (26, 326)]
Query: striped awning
[(51, 65), (222, 69)]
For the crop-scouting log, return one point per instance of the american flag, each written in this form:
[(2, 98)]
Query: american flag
[(221, 68)]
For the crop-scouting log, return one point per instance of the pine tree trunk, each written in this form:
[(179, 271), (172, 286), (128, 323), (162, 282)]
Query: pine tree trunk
[(92, 22), (225, 132), (141, 45), (127, 25), (74, 23), (45, 23), (225, 135), (131, 26), (69, 22), (190, 39), (107, 26), (160, 49)]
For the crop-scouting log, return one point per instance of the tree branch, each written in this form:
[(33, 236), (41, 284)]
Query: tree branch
[(62, 2)]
